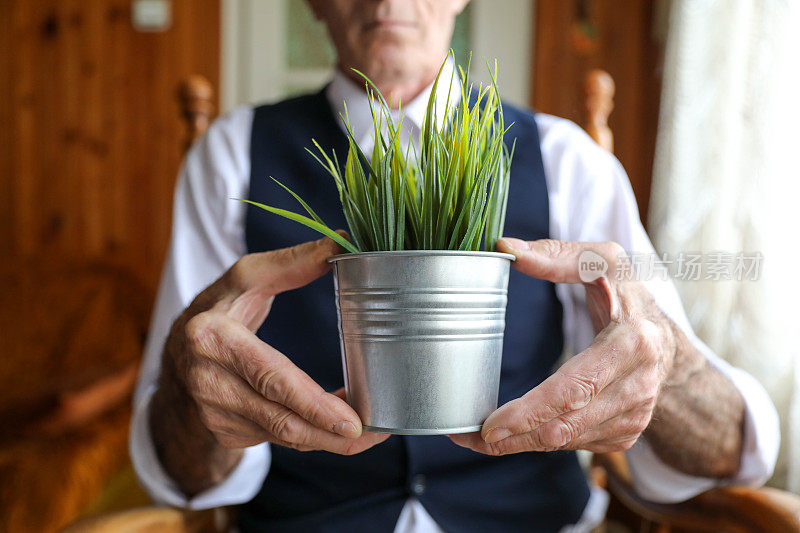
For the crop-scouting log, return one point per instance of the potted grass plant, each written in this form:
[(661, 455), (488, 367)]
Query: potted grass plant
[(421, 293)]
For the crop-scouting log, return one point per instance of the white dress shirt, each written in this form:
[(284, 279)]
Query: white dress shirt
[(590, 199)]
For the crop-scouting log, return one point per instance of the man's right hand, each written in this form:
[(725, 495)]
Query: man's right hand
[(223, 389)]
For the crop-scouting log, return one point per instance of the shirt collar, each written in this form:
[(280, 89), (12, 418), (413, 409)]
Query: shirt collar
[(343, 89)]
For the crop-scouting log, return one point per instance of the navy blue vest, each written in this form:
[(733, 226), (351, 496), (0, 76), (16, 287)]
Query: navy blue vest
[(462, 490)]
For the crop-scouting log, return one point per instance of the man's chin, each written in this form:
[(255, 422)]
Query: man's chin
[(388, 56)]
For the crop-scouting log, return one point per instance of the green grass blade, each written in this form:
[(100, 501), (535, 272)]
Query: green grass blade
[(449, 191), (302, 202), (311, 223)]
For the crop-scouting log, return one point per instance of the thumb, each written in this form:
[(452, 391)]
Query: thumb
[(276, 271), (573, 262), (563, 261), (256, 278), (341, 393)]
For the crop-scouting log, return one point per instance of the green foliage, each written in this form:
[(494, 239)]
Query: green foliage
[(451, 195)]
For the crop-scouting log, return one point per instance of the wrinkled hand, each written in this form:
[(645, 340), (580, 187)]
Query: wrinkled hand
[(601, 399), (242, 390)]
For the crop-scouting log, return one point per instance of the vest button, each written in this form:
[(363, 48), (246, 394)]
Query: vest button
[(418, 485)]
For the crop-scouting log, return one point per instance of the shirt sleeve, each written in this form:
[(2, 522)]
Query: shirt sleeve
[(207, 238), (591, 199)]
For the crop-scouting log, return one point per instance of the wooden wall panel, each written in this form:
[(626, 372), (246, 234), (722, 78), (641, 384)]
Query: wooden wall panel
[(90, 144), (91, 132), (619, 36)]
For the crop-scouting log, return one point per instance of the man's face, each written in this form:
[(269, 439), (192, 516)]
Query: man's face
[(391, 41)]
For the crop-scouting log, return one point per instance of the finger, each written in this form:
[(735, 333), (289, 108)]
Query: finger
[(474, 442), (515, 444), (616, 431), (288, 429), (572, 387), (590, 263), (221, 339), (636, 391), (613, 413), (256, 278), (522, 443), (632, 415), (237, 414), (281, 270), (283, 427), (611, 445), (560, 261), (230, 429)]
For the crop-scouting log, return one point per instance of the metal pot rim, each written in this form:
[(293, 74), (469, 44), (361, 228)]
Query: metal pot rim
[(426, 253)]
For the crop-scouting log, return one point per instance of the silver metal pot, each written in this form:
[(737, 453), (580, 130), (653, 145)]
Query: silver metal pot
[(422, 337)]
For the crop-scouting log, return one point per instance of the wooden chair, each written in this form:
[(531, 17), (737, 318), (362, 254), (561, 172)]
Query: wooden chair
[(71, 333), (730, 509)]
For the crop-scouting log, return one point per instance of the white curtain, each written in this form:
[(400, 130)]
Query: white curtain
[(726, 179)]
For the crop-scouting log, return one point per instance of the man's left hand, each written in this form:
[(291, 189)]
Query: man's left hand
[(602, 399)]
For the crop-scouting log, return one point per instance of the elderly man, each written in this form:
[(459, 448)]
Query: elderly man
[(240, 399)]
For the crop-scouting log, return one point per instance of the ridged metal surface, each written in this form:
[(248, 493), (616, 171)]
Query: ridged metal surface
[(422, 337)]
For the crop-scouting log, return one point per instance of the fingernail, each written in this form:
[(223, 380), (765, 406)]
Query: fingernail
[(346, 429), (496, 434), (513, 244)]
